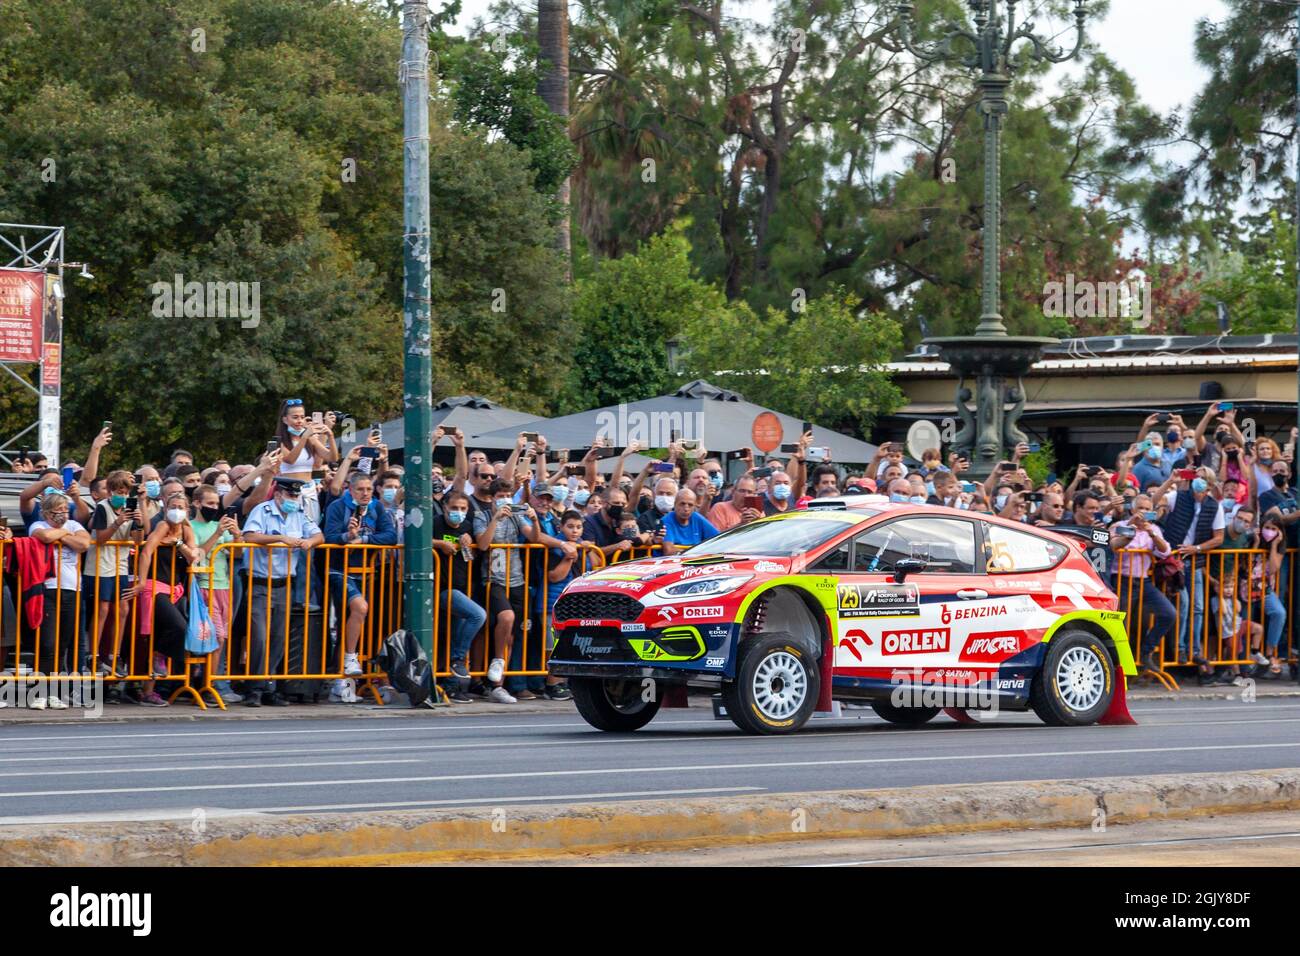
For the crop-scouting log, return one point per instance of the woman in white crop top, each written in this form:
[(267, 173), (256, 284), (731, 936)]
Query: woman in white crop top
[(304, 448)]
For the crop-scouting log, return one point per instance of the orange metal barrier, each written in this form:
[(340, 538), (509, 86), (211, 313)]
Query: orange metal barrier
[(1252, 584)]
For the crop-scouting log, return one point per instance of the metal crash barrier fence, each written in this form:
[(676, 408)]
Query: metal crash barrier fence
[(1204, 620), (274, 627)]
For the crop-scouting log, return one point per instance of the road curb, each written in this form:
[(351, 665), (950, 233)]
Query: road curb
[(521, 831)]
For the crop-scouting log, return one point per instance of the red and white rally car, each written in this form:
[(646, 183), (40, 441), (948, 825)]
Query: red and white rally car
[(913, 609)]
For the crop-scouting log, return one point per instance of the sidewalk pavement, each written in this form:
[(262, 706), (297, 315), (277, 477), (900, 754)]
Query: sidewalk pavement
[(182, 710)]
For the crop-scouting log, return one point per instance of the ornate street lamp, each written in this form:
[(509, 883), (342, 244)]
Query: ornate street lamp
[(990, 356)]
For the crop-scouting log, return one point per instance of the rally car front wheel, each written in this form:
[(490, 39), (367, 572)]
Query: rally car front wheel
[(776, 687), (1076, 682), (620, 706)]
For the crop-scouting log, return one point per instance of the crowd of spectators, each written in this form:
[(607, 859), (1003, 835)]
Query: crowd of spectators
[(1171, 500)]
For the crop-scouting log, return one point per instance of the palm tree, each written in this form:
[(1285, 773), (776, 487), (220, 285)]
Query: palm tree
[(553, 40)]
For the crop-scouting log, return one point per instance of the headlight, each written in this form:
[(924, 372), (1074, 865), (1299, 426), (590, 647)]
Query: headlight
[(703, 587)]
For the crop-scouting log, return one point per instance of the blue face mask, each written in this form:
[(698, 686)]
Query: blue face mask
[(1199, 485), (715, 479), (389, 495), (780, 492), (929, 487), (580, 497), (898, 498), (288, 505), (1154, 452), (917, 499), (455, 517), (560, 493), (153, 488), (295, 432)]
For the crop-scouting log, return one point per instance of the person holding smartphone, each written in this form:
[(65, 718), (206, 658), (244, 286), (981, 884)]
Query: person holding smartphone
[(742, 507), (305, 446), (107, 570)]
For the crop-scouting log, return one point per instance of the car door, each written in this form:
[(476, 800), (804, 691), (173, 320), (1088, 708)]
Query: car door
[(1028, 589), (886, 629)]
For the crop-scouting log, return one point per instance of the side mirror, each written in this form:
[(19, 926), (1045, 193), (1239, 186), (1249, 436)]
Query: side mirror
[(906, 566)]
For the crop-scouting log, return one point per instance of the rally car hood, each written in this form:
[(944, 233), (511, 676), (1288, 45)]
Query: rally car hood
[(643, 577)]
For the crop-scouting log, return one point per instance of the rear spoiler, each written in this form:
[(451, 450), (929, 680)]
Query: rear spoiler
[(1085, 535)]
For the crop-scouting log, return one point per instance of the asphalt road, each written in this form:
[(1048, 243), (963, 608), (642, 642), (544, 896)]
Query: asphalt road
[(151, 770)]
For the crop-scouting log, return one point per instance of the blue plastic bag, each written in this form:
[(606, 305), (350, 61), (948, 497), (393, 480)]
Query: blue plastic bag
[(200, 635)]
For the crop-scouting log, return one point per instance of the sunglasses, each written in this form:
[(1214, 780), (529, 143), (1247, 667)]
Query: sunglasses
[(289, 402)]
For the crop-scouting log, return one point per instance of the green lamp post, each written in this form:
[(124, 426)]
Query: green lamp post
[(989, 357)]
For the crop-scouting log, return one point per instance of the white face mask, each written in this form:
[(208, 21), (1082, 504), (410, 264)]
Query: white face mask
[(664, 503), (222, 489), (175, 515)]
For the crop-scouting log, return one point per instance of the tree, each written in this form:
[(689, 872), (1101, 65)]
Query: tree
[(824, 363), (553, 43), (626, 312)]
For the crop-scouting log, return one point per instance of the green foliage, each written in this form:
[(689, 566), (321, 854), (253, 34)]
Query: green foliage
[(625, 313), (496, 93), (1039, 464), (1256, 280), (822, 364)]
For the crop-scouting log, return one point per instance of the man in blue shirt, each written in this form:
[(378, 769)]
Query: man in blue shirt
[(355, 518), (280, 521), (685, 527)]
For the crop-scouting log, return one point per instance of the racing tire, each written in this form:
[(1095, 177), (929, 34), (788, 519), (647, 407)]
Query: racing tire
[(777, 684), (904, 716), (1074, 686), (616, 706)]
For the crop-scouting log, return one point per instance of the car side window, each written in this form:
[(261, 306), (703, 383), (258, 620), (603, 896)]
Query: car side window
[(1012, 552), (835, 560), (947, 545)]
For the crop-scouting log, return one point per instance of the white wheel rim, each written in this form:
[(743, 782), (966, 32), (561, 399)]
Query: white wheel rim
[(780, 685), (1080, 678)]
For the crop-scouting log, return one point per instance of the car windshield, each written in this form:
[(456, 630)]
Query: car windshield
[(781, 537)]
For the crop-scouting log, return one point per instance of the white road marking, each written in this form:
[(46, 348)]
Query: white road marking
[(204, 769), (682, 768), (834, 733)]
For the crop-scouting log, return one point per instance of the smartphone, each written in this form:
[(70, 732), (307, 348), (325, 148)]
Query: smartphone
[(272, 445), (233, 512), (1225, 406), (752, 501), (1035, 447), (317, 418), (368, 452), (318, 474), (574, 471), (817, 454), (106, 426), (4, 522), (1006, 466), (69, 476), (132, 503), (377, 431), (1092, 470), (763, 472), (804, 428), (969, 487), (675, 435), (1186, 474), (789, 448), (690, 444), (1162, 418), (518, 509), (1035, 496), (664, 468), (607, 451)]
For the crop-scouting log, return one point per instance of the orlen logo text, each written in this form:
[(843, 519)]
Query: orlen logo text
[(708, 610), (991, 648), (933, 641)]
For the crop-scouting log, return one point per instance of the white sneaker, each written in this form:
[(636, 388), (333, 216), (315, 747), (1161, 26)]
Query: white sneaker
[(495, 670), (344, 691), (37, 703), (56, 703), (1261, 660), (352, 665), (499, 695)]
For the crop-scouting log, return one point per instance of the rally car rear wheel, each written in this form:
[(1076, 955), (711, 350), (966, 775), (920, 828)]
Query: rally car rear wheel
[(907, 716), (620, 706), (1076, 682), (776, 687)]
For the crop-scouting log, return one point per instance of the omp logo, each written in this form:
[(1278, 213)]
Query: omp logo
[(915, 642), (708, 610), (714, 661), (583, 643), (74, 909)]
